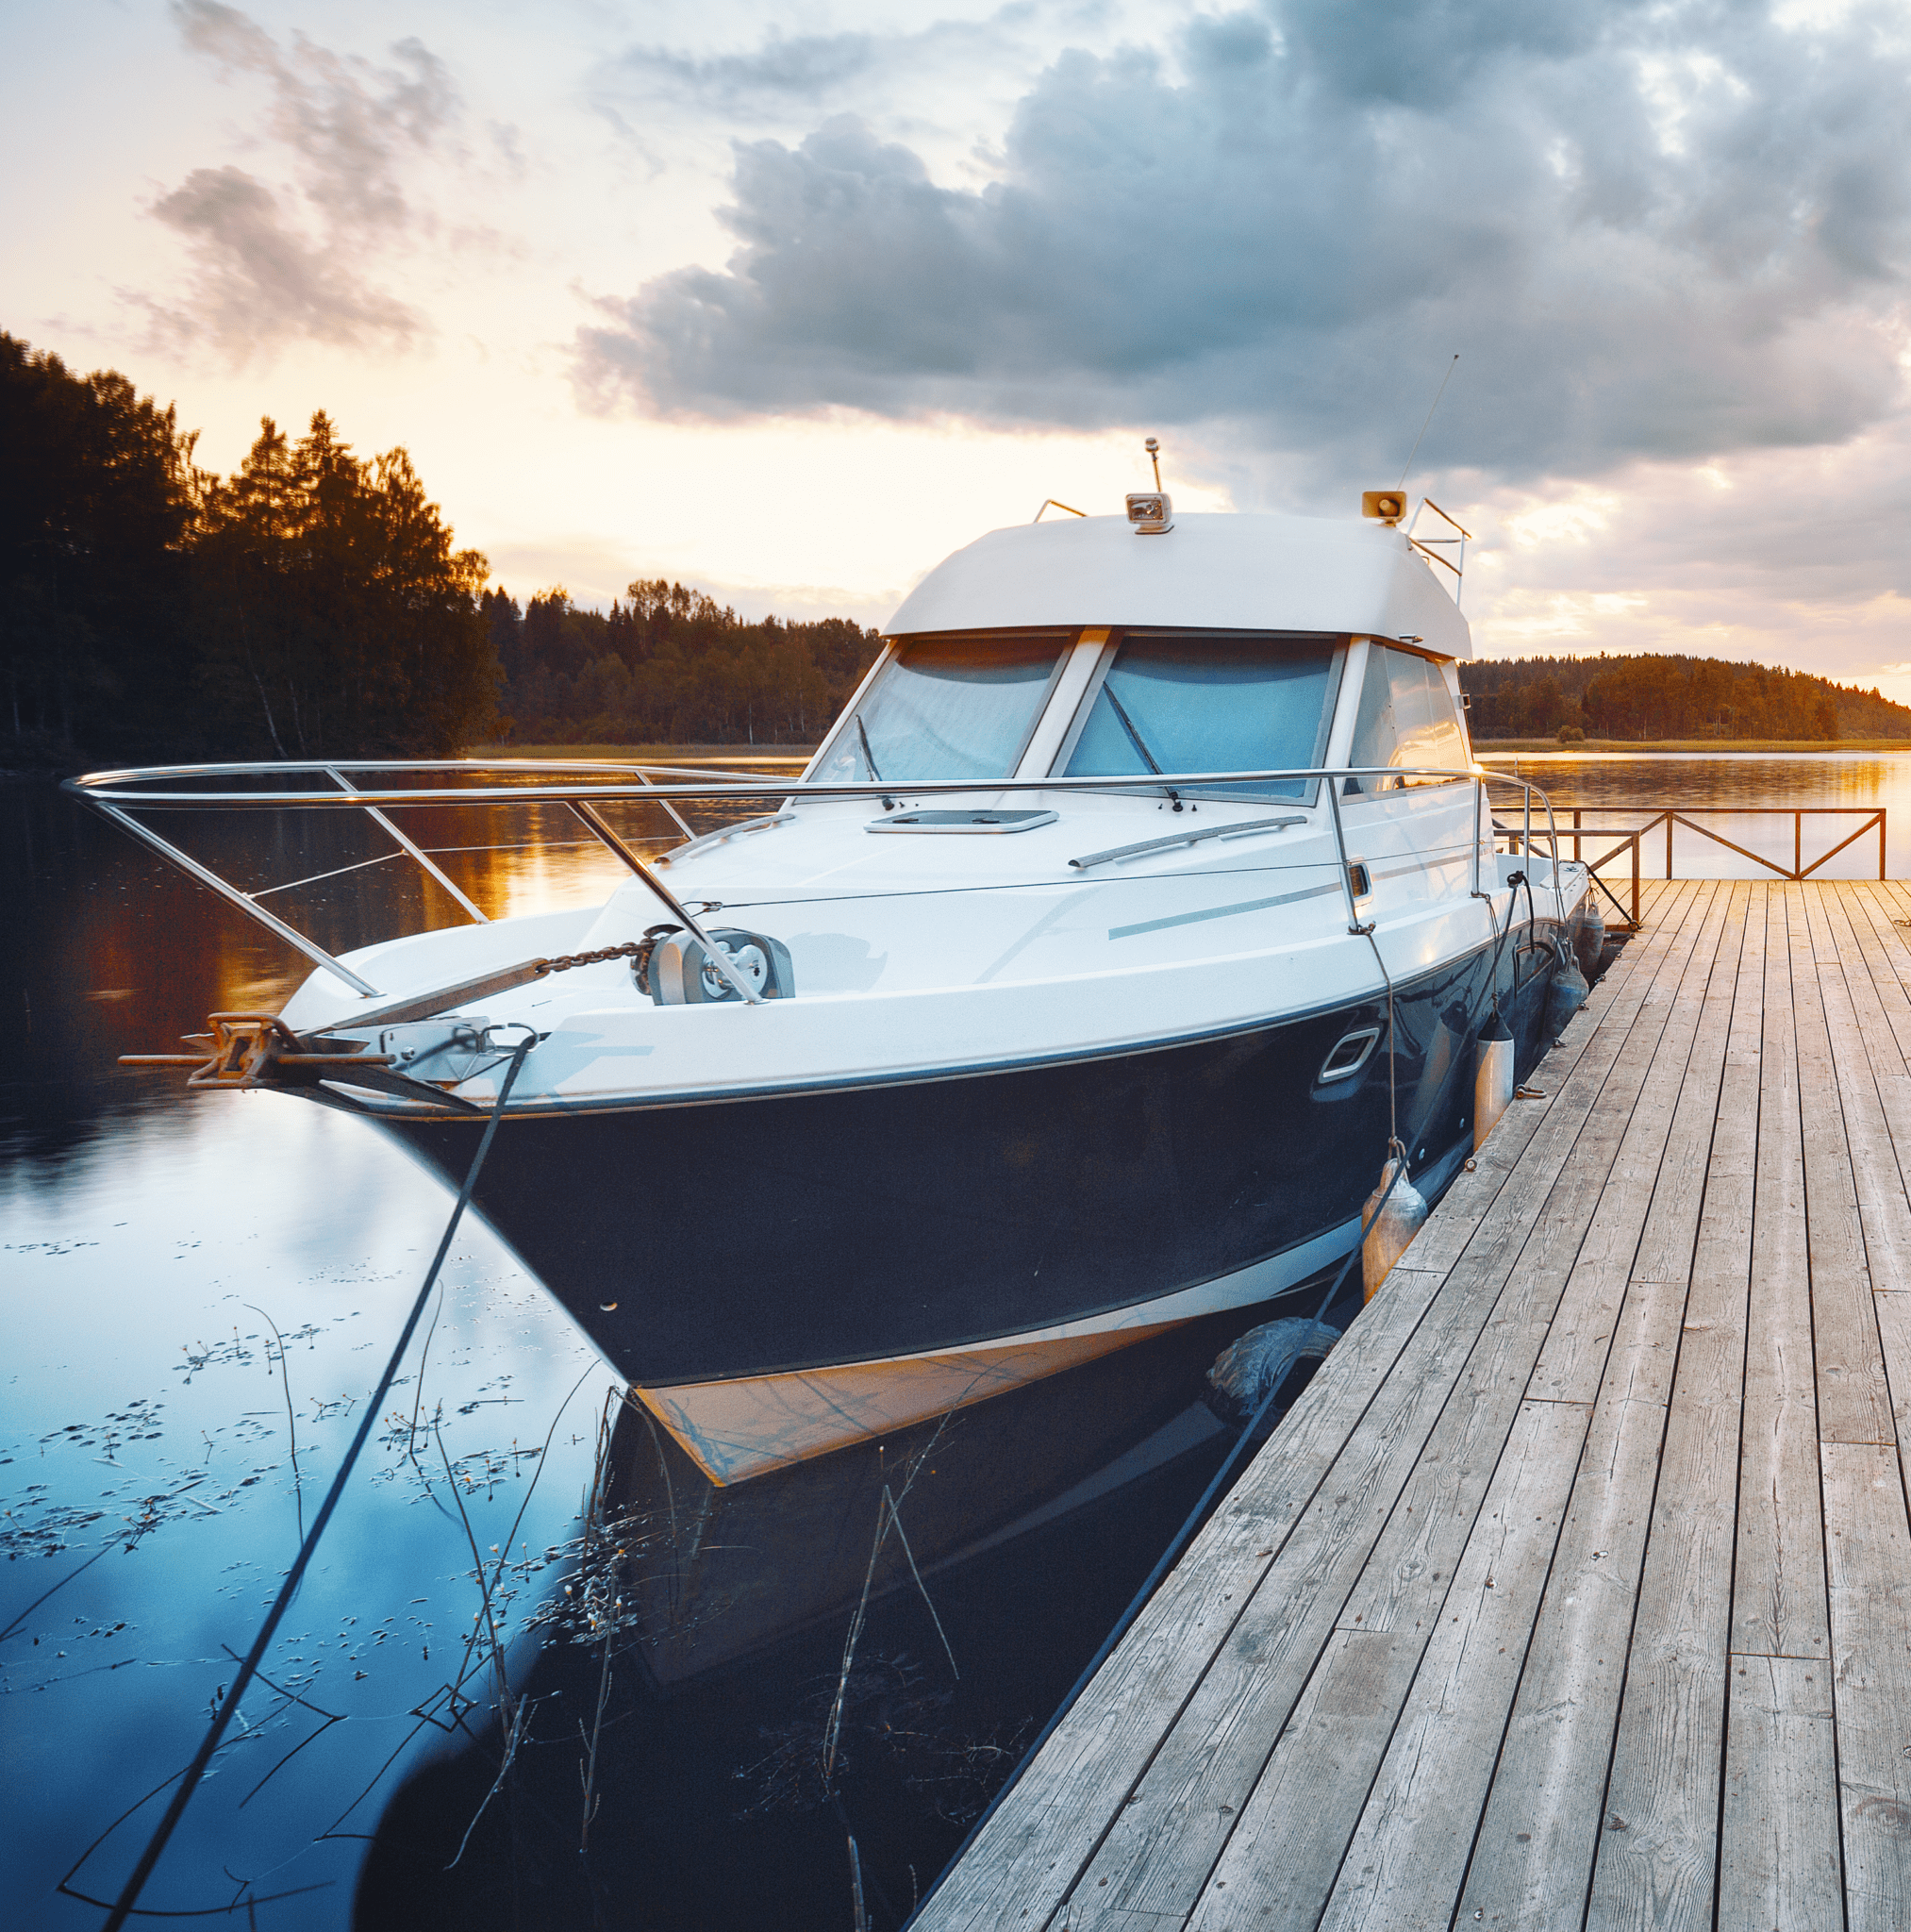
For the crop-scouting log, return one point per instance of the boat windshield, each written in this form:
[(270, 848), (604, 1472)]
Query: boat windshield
[(1223, 701), (947, 707), (1406, 718)]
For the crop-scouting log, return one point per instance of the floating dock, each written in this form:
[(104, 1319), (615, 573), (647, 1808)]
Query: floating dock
[(1575, 1590)]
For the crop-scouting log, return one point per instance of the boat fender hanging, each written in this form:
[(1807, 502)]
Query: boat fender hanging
[(1245, 1369), (1393, 1225), (1566, 996), (680, 974), (1492, 1078), (1589, 937)]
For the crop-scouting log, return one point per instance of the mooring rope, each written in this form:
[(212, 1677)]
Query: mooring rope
[(189, 1783)]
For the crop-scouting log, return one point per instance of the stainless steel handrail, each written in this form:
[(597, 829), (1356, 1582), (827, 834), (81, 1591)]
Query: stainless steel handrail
[(417, 851), (109, 786), (112, 794)]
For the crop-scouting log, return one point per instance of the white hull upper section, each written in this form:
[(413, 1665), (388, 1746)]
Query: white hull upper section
[(923, 956)]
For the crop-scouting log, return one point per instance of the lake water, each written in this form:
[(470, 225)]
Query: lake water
[(198, 1294), (539, 1675)]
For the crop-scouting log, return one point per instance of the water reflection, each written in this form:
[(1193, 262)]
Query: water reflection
[(743, 1681)]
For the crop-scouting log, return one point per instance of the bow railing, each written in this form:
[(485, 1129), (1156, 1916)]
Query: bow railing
[(371, 788)]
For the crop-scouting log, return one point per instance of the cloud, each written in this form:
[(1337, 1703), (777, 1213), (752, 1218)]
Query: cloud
[(259, 281), (804, 66), (270, 268), (1658, 232), (348, 122)]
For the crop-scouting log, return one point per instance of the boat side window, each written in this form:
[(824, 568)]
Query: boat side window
[(947, 707), (1213, 701), (1406, 719)]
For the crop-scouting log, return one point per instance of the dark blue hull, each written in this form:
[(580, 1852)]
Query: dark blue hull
[(853, 1223)]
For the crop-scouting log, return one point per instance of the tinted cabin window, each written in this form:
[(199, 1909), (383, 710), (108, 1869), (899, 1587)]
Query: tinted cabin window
[(1231, 702), (1406, 719), (948, 707)]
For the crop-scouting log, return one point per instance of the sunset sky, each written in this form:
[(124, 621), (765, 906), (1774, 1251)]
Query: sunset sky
[(789, 301)]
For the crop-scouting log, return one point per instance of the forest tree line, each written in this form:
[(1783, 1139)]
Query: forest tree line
[(314, 603), (310, 605), (667, 665), (1647, 697)]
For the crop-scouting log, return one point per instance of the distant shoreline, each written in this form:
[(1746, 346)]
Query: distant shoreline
[(1775, 747), (653, 753)]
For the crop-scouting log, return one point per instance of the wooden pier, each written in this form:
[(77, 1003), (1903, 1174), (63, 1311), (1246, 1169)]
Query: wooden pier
[(1576, 1588)]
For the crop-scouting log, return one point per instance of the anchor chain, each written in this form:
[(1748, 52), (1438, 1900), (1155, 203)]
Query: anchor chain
[(563, 963)]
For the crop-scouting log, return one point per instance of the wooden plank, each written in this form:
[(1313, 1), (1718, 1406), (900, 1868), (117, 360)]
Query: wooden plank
[(1580, 1355), (1404, 1864), (1778, 1600), (1164, 1842), (1538, 1832), (1031, 1849), (1893, 901), (1882, 949), (1856, 1023), (1778, 1863), (1854, 1396), (1893, 1311), (1869, 1548), (1655, 1860)]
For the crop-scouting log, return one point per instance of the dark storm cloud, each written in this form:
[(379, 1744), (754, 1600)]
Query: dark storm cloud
[(1658, 232), (260, 277)]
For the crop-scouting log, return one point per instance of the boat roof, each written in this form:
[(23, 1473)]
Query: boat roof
[(1208, 571)]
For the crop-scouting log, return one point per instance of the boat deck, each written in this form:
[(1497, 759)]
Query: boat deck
[(1576, 1588)]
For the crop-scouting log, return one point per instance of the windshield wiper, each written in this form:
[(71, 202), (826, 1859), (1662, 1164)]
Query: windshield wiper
[(1140, 743), (869, 757)]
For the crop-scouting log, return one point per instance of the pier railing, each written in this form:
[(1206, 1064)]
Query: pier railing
[(1628, 841)]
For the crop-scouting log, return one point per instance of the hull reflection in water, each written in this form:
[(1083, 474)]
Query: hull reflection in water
[(719, 1572), (780, 1680)]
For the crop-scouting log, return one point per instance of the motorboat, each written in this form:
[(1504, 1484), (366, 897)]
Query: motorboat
[(1144, 896)]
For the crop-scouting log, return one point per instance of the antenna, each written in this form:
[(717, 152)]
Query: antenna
[(1422, 437), (1154, 448)]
